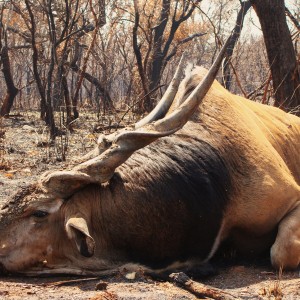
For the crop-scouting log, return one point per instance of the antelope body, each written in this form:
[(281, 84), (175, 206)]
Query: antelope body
[(213, 167)]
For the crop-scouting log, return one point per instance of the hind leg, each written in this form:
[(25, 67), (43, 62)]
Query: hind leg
[(285, 252)]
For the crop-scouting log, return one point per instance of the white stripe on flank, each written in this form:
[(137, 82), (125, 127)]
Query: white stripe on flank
[(217, 243)]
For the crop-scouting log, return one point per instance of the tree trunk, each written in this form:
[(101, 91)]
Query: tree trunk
[(49, 118), (12, 91), (35, 58), (158, 55), (147, 103), (67, 102), (281, 54), (163, 37), (107, 102), (82, 72), (226, 74)]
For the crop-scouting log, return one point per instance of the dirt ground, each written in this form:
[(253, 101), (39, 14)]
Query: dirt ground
[(25, 153), (240, 282)]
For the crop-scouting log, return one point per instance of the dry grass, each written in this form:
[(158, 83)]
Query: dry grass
[(274, 290)]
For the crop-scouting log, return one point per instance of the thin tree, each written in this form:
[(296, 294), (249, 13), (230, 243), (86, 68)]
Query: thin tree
[(281, 54), (12, 90), (160, 38), (99, 20), (226, 73)]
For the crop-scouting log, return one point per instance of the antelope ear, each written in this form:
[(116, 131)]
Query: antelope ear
[(78, 231)]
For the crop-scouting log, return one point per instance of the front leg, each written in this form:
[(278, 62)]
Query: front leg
[(285, 252)]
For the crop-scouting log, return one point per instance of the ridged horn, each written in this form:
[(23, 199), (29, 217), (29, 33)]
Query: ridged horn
[(166, 101), (118, 147), (157, 113)]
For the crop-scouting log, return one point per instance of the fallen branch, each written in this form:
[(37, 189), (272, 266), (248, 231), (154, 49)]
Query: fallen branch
[(199, 289), (70, 281)]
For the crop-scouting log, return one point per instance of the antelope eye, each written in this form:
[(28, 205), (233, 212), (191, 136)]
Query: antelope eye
[(40, 214)]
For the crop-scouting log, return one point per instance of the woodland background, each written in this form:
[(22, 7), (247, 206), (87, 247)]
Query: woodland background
[(114, 58)]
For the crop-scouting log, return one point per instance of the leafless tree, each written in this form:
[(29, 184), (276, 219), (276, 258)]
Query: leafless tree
[(281, 53), (12, 90)]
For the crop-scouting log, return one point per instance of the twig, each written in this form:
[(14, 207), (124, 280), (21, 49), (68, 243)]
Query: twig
[(137, 101), (71, 281), (254, 92), (292, 18), (199, 289), (108, 127), (264, 99), (237, 79)]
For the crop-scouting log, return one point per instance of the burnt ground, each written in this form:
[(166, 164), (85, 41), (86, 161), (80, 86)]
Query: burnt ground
[(25, 153)]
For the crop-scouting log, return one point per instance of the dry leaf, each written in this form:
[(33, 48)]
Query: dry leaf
[(9, 175)]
